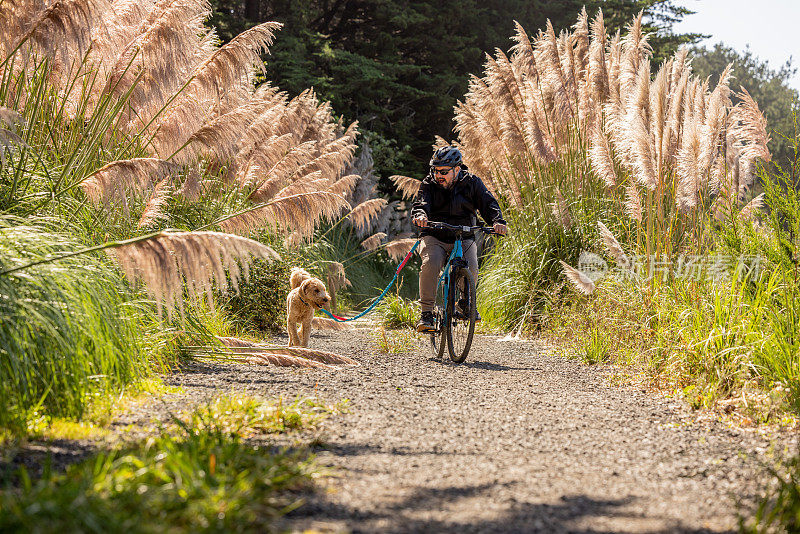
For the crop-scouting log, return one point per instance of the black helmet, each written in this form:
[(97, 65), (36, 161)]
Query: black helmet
[(447, 156)]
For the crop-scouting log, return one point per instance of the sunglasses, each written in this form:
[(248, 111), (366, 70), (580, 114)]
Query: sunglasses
[(442, 172)]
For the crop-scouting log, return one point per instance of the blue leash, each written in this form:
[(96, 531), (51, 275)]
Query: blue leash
[(377, 300)]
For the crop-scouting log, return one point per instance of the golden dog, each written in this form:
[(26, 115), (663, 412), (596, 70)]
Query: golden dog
[(307, 294)]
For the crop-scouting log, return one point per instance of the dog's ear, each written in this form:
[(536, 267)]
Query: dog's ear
[(304, 287)]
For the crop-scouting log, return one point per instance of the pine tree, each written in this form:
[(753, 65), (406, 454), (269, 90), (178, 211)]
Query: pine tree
[(399, 66)]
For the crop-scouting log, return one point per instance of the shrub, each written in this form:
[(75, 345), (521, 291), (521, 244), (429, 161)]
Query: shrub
[(260, 303)]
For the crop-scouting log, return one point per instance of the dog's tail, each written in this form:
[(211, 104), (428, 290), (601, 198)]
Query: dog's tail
[(297, 277)]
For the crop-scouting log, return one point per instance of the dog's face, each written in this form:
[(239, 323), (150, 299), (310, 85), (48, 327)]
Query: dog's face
[(314, 292)]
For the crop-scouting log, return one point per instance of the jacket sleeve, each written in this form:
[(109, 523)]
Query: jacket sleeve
[(422, 202), (487, 204)]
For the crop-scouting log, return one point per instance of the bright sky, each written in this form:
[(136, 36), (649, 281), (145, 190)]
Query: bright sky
[(769, 27)]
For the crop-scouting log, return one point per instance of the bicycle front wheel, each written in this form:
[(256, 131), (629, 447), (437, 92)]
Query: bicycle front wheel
[(460, 325)]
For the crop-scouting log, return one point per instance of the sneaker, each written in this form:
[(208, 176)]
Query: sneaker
[(426, 323)]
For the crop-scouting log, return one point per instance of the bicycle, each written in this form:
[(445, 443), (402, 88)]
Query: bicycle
[(453, 324)]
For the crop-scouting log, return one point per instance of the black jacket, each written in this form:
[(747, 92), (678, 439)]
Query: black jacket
[(456, 205)]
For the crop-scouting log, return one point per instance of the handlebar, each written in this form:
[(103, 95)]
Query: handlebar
[(461, 229)]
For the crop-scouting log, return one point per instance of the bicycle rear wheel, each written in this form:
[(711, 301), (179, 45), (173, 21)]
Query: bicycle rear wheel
[(460, 325), (438, 342)]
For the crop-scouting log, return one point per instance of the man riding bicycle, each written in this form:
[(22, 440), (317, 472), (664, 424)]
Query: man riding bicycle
[(452, 195)]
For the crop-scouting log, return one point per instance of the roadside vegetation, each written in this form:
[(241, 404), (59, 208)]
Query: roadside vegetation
[(200, 473), (145, 169)]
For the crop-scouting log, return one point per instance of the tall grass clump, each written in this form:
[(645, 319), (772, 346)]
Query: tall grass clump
[(69, 329), (519, 277), (718, 326), (775, 241), (398, 312), (699, 337), (125, 121), (577, 128)]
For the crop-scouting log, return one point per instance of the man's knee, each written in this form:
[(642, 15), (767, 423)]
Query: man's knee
[(471, 255), (433, 254)]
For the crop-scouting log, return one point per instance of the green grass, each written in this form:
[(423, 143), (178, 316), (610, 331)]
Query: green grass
[(246, 415), (199, 474), (205, 480), (596, 348), (717, 338), (102, 408)]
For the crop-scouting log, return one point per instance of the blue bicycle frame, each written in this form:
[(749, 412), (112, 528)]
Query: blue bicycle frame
[(457, 253)]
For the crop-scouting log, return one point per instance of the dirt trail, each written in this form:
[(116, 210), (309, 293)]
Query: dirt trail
[(514, 440)]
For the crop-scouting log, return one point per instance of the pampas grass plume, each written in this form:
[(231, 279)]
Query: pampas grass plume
[(408, 187), (581, 282), (198, 261), (373, 241), (365, 213), (398, 248), (613, 246)]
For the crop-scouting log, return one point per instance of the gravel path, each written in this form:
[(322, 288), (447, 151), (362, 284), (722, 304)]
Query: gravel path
[(514, 440)]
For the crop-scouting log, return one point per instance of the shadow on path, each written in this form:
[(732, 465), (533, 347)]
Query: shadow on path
[(485, 366), (422, 511)]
